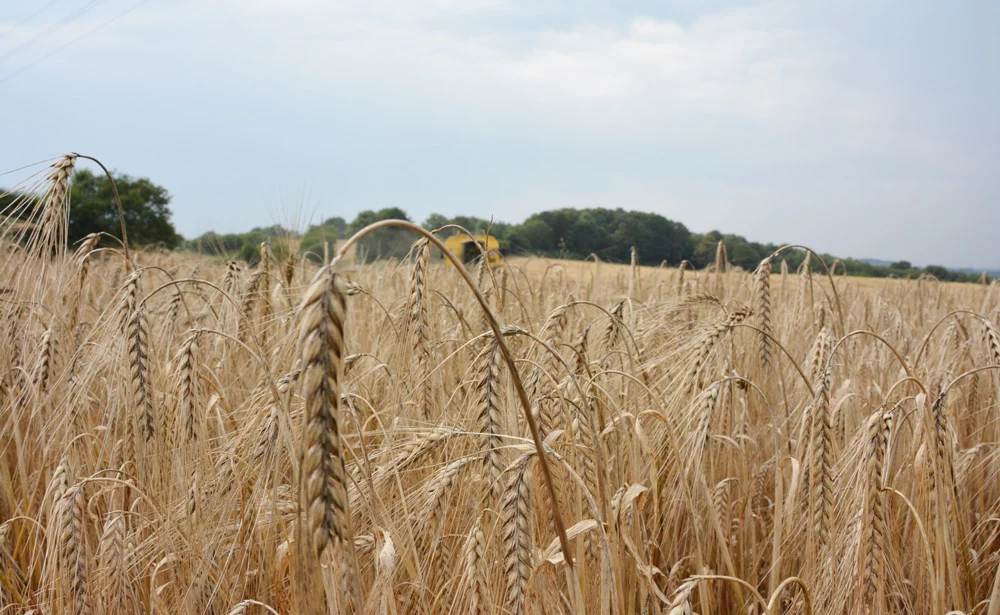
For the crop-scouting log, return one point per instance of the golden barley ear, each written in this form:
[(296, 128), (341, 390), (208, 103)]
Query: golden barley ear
[(992, 341), (323, 497), (112, 576), (54, 223), (516, 519), (420, 328), (139, 368), (874, 531), (490, 403), (762, 307), (475, 572), (187, 390), (821, 466), (321, 342), (72, 549)]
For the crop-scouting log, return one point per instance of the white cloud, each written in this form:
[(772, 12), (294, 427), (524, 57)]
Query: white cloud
[(748, 63), (709, 113)]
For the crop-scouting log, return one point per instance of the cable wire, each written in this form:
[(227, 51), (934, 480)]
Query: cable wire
[(52, 27), (101, 25), (32, 16)]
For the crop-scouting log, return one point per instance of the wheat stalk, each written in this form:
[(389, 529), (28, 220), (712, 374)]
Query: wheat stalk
[(187, 388), (707, 343), (138, 360), (680, 278), (490, 414), (251, 296), (821, 465), (88, 245), (55, 211), (321, 340), (762, 307), (681, 604), (551, 364), (475, 573), (873, 542), (232, 279), (46, 360), (72, 555), (992, 341), (112, 581), (420, 327), (516, 520)]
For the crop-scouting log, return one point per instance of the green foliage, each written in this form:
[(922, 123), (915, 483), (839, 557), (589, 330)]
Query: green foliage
[(500, 230), (386, 243), (435, 221), (561, 233), (938, 272), (327, 233), (611, 233), (608, 233), (336, 222), (145, 206), (383, 243), (748, 254), (242, 246)]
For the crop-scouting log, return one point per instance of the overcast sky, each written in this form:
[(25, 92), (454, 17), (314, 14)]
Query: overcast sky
[(865, 129)]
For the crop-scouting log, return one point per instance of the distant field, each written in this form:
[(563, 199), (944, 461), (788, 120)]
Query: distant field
[(577, 270), (185, 435)]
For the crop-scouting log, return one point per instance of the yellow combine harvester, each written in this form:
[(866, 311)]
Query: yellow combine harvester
[(468, 250)]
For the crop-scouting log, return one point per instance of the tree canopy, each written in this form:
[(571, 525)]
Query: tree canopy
[(610, 234), (313, 240), (383, 243), (145, 206), (92, 209)]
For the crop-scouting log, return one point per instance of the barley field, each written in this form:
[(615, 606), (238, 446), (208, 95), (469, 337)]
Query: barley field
[(188, 435)]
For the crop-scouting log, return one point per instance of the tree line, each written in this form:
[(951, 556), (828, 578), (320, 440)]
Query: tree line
[(605, 234), (145, 206)]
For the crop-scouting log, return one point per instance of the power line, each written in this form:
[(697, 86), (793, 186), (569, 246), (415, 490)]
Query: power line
[(17, 72), (50, 29), (32, 16)]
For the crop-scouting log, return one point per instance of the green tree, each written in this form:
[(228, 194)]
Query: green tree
[(744, 255), (586, 233), (434, 221), (145, 206), (336, 222), (704, 248), (500, 230), (938, 272), (320, 237), (535, 234), (609, 233), (383, 243), (244, 246)]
